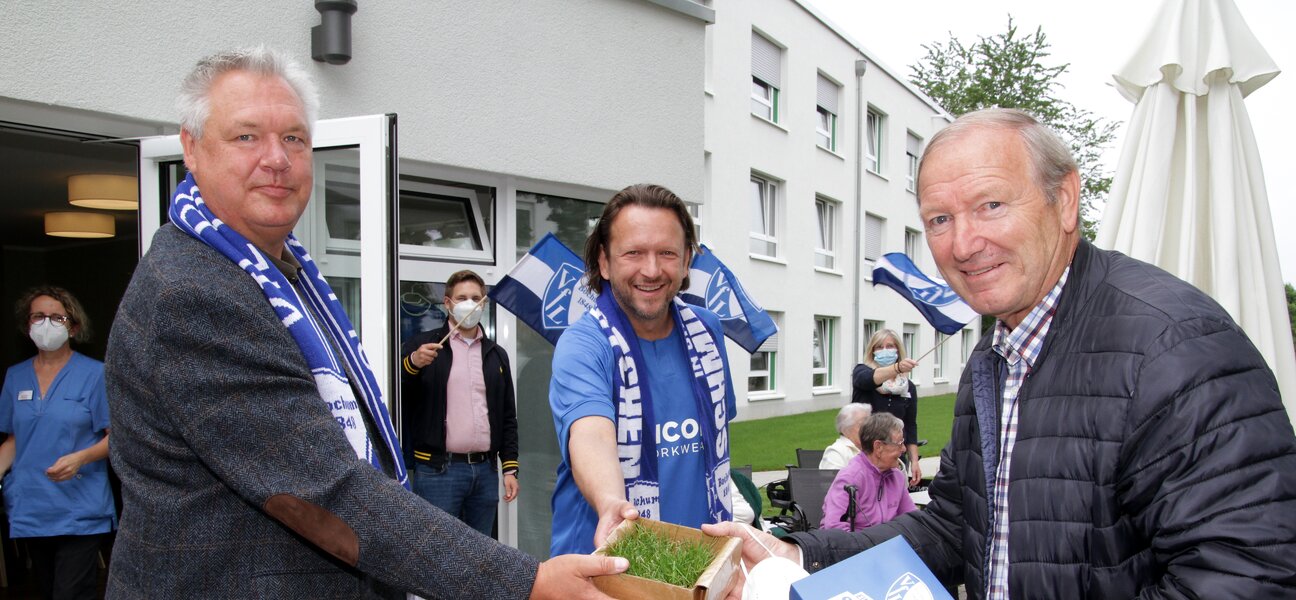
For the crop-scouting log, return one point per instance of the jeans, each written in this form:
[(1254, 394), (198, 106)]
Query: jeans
[(467, 492)]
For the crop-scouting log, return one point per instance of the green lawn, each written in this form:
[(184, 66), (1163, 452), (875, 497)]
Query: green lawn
[(769, 444)]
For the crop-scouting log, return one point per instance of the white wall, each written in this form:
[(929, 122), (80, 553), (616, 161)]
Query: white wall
[(587, 92)]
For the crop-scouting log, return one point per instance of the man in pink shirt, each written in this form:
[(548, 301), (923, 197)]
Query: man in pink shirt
[(459, 415)]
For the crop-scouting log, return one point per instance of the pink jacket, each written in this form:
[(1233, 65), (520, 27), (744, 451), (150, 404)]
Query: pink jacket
[(879, 496)]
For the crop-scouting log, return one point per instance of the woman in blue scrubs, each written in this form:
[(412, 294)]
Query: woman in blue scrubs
[(54, 412)]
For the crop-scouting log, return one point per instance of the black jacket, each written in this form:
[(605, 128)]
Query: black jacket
[(424, 401), (864, 390), (1153, 456)]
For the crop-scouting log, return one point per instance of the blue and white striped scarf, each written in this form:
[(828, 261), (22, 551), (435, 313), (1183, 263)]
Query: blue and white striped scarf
[(636, 440), (191, 215)]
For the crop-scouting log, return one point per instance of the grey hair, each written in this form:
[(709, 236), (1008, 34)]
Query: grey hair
[(194, 103), (851, 414), (1050, 157), (878, 427)]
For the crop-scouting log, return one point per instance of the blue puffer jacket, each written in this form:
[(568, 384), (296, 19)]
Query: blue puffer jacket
[(1154, 458)]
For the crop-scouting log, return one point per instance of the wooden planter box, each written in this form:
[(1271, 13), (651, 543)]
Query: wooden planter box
[(713, 584)]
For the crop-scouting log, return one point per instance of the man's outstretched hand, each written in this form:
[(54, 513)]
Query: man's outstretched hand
[(569, 576), (752, 551)]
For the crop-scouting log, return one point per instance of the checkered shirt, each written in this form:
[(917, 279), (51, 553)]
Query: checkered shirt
[(1019, 347)]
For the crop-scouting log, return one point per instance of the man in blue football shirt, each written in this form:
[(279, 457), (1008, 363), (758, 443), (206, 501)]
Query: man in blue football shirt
[(641, 393)]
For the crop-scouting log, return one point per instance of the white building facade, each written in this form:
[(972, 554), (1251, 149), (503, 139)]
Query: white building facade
[(811, 151)]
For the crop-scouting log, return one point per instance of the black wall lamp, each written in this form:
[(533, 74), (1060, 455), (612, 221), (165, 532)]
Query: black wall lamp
[(331, 39)]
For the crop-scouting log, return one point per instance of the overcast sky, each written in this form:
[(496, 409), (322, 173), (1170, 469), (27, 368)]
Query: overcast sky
[(1097, 38)]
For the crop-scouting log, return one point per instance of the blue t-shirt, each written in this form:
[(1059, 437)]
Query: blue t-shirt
[(583, 385), (71, 416)]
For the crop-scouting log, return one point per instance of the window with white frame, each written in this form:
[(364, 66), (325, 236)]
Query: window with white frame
[(910, 340), (826, 245), (913, 244), (873, 150), (445, 219), (823, 353), (969, 342), (764, 216), (767, 67), (913, 144), (938, 357), (867, 332), (695, 211), (762, 374), (874, 228), (827, 94)]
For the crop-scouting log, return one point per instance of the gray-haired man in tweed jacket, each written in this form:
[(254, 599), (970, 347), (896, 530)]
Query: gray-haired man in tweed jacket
[(237, 479)]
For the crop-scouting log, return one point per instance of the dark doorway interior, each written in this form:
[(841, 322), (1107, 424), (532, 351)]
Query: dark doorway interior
[(35, 164)]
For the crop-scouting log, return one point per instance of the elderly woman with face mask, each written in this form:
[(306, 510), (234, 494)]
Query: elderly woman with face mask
[(882, 381), (877, 485), (54, 414)]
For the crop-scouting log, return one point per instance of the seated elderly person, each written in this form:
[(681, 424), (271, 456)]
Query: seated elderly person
[(847, 444), (880, 490)]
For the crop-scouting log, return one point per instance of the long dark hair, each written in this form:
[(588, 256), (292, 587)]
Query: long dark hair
[(647, 195)]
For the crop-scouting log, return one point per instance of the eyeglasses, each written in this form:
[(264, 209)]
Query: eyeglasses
[(891, 443), (35, 318)]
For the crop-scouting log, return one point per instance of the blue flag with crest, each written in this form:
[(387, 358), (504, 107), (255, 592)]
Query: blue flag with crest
[(546, 290), (713, 286), (932, 297)]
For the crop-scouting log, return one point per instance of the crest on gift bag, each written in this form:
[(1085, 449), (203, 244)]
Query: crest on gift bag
[(908, 587)]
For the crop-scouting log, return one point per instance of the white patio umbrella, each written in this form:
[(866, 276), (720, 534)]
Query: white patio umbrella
[(1189, 193)]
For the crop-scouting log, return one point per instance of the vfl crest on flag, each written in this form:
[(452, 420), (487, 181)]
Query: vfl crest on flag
[(713, 285), (935, 295), (932, 297), (561, 294), (722, 297), (545, 289)]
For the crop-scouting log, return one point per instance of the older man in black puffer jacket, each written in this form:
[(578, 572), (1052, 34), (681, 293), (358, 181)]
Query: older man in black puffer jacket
[(1116, 436)]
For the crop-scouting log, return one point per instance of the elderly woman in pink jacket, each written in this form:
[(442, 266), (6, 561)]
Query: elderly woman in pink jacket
[(872, 481)]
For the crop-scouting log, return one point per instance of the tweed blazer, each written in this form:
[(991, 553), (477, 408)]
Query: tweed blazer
[(236, 480)]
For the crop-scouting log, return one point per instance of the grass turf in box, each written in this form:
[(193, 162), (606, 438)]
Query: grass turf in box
[(719, 559), (655, 555)]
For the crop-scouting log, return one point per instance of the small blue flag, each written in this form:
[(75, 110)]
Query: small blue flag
[(713, 286), (931, 296), (546, 288)]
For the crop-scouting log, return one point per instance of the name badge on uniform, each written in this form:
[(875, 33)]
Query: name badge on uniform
[(25, 395)]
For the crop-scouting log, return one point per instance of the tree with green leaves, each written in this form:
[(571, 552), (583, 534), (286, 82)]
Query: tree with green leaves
[(1011, 70), (1291, 307)]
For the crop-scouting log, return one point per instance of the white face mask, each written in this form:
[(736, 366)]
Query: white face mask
[(772, 578), (467, 314), (48, 335)]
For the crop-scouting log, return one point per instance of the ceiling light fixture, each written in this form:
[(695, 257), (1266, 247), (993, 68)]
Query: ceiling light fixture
[(111, 192), (80, 225)]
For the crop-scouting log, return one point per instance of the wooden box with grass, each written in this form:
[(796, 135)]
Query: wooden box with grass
[(669, 561)]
